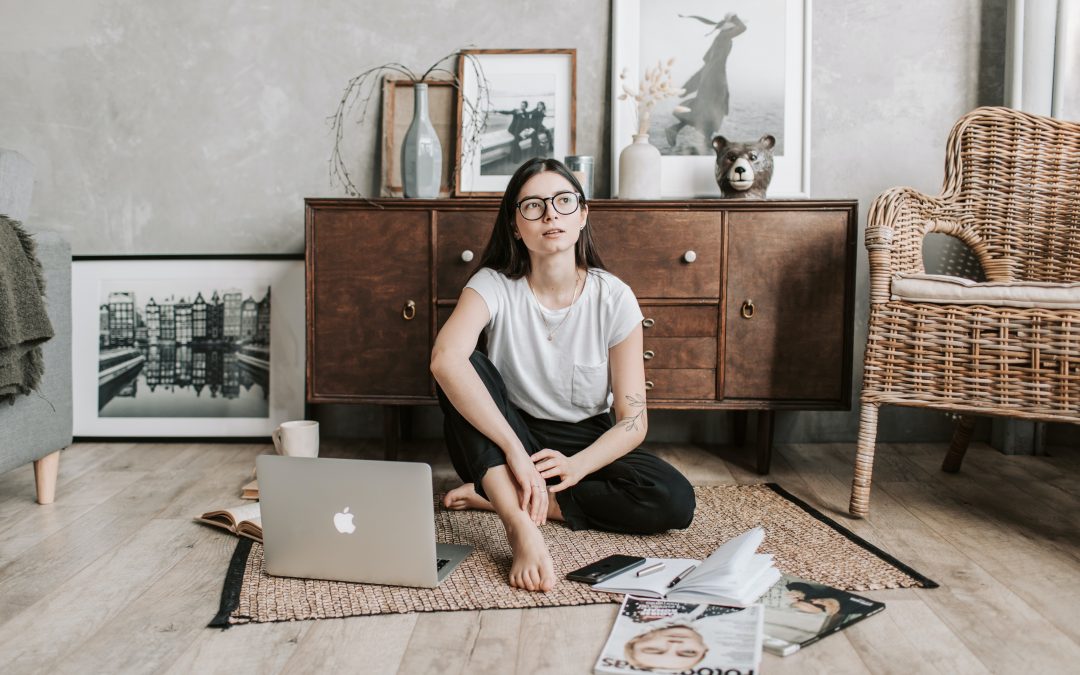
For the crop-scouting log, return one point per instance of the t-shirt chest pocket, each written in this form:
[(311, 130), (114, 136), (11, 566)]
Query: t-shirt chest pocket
[(590, 386)]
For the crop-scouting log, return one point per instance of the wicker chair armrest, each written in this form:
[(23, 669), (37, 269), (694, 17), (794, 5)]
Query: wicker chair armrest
[(899, 220)]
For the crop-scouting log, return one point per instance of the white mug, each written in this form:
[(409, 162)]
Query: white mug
[(297, 439)]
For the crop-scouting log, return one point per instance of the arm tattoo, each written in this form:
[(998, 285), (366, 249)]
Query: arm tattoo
[(630, 423)]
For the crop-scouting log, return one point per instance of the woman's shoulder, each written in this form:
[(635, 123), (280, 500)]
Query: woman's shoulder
[(608, 283)]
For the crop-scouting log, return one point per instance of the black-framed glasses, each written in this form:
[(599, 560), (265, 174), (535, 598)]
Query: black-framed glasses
[(564, 203)]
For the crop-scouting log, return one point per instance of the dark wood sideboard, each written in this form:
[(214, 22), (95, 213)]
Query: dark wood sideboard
[(748, 304)]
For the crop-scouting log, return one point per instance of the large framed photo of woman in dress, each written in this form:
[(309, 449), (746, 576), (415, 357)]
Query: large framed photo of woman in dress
[(513, 105), (744, 67), (187, 346)]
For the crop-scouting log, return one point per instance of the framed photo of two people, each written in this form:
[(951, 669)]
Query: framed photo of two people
[(523, 101)]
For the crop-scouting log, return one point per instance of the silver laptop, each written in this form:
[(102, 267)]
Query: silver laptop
[(352, 520)]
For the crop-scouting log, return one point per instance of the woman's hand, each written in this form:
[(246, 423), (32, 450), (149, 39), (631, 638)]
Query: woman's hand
[(534, 495), (551, 463)]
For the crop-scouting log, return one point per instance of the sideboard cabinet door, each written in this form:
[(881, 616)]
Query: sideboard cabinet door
[(785, 305), (371, 305)]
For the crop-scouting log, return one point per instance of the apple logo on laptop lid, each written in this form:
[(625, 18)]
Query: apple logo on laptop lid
[(344, 522)]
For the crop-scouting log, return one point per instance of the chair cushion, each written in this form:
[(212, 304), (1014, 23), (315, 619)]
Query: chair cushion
[(946, 290)]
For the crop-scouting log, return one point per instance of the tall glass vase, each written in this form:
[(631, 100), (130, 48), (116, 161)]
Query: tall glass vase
[(639, 170), (421, 153)]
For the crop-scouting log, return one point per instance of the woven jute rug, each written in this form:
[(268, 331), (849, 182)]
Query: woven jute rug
[(804, 542)]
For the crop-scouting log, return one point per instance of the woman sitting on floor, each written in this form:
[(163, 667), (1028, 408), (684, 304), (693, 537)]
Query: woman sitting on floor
[(533, 418)]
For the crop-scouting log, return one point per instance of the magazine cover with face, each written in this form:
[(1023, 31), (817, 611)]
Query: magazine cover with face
[(662, 636), (800, 612)]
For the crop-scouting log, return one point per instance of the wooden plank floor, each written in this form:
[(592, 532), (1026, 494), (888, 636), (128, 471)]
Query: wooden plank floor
[(115, 577)]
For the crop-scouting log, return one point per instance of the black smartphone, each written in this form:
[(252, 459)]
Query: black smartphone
[(594, 573)]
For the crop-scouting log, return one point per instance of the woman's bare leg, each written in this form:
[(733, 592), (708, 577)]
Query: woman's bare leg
[(464, 497), (532, 568)]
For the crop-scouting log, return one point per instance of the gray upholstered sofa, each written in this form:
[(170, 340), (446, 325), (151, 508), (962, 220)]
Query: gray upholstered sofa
[(37, 427)]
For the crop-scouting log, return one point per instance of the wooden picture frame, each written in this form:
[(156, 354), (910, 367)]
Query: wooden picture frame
[(765, 77), (495, 83), (183, 346), (397, 115)]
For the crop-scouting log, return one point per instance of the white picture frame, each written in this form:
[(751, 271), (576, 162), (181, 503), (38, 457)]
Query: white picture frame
[(194, 380), (692, 176), (493, 81)]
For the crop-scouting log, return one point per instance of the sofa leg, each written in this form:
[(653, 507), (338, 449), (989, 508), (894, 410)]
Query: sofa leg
[(961, 437), (864, 461), (46, 470)]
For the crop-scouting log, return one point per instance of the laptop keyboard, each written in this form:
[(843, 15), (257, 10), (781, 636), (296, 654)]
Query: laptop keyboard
[(440, 563)]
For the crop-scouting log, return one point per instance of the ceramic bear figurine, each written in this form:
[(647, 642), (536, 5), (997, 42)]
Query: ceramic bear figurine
[(743, 170)]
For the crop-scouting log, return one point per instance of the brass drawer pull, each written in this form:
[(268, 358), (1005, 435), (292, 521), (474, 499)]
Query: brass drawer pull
[(689, 257), (747, 309), (649, 384), (648, 323), (466, 256), (408, 312), (649, 354)]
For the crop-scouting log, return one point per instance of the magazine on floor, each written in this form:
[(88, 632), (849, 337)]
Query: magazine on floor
[(735, 574), (800, 612), (661, 636)]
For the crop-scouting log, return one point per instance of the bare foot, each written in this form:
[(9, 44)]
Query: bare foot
[(533, 568), (465, 497)]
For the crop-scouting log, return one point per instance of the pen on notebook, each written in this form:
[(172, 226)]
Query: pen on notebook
[(682, 575), (649, 569)]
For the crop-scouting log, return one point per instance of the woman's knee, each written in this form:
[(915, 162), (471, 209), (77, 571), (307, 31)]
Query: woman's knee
[(668, 506)]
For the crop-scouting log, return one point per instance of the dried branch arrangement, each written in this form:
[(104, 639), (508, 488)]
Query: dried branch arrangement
[(654, 87), (361, 88)]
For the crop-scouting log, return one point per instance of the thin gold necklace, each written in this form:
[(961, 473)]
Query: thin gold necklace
[(552, 331)]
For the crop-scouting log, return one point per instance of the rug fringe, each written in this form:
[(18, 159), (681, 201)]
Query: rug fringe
[(234, 579)]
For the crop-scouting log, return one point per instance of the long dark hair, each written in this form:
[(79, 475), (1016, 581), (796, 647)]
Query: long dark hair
[(509, 256)]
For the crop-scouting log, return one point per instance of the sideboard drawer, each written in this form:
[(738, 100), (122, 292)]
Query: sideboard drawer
[(679, 320), (694, 352), (680, 383), (459, 241), (661, 254)]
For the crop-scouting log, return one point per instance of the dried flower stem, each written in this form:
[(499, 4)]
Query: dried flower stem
[(655, 86)]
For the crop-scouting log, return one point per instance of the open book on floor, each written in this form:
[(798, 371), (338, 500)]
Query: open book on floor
[(800, 612), (679, 637), (245, 520), (735, 574)]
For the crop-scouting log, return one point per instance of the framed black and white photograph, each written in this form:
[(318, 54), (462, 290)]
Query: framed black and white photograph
[(744, 68), (513, 105), (204, 346)]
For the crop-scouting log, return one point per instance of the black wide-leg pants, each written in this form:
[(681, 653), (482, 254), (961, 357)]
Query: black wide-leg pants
[(637, 493)]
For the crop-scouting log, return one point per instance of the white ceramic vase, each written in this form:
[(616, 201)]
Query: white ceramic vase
[(639, 170), (421, 153)]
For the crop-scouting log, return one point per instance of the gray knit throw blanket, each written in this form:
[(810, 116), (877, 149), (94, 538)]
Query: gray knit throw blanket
[(24, 323)]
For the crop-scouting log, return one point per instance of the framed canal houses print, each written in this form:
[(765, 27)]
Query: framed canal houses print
[(169, 346)]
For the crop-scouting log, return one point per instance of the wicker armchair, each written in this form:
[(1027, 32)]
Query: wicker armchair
[(1009, 346)]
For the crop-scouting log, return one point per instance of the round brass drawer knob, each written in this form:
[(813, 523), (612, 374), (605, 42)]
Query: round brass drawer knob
[(689, 256), (408, 312), (649, 354), (467, 256), (649, 384), (747, 310), (648, 323)]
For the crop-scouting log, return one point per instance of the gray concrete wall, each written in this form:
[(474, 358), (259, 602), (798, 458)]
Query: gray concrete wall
[(199, 127)]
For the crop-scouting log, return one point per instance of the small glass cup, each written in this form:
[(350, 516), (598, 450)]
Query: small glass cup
[(582, 168)]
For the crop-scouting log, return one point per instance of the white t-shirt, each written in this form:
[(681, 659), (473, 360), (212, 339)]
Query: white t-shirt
[(566, 379)]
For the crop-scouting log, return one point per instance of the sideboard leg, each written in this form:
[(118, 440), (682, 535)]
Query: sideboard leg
[(765, 420), (391, 432), (738, 431)]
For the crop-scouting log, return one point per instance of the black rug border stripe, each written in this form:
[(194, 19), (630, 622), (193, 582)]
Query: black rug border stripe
[(925, 581), (234, 581)]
